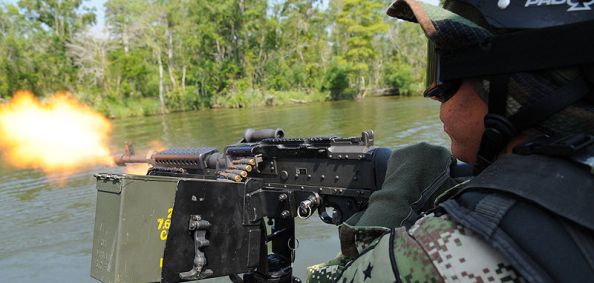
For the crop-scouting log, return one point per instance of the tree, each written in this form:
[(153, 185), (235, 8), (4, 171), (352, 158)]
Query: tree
[(301, 48), (54, 23), (90, 56), (184, 54), (358, 24), (405, 53), (125, 24)]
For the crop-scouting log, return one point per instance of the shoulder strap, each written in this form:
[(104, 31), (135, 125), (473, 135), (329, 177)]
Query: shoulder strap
[(578, 148), (484, 217), (585, 157), (555, 184)]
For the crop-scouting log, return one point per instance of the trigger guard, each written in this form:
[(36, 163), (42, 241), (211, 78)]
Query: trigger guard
[(336, 217)]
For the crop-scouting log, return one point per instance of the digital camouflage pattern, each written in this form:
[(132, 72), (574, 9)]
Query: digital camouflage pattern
[(354, 241), (435, 249)]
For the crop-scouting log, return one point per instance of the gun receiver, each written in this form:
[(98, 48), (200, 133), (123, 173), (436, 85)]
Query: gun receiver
[(227, 206)]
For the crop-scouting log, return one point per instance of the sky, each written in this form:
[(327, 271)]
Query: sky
[(99, 28)]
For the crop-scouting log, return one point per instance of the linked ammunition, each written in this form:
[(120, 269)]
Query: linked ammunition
[(238, 172), (244, 161), (241, 167), (231, 176)]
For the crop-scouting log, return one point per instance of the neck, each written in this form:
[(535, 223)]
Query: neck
[(521, 138)]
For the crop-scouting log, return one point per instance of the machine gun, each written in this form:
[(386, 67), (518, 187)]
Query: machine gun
[(200, 213)]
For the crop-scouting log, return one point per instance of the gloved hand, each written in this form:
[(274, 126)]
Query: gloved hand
[(415, 175)]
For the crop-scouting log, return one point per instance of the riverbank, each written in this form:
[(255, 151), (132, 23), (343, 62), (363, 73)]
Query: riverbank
[(115, 108), (134, 107)]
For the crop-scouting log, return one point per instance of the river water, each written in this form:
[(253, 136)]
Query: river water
[(46, 227)]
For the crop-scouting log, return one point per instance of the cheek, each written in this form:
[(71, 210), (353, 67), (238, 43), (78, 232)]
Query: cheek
[(463, 116), (463, 119), (450, 115), (476, 120)]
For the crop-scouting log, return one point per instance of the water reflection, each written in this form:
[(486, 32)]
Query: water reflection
[(46, 230)]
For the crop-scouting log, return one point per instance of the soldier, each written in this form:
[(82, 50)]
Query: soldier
[(515, 81)]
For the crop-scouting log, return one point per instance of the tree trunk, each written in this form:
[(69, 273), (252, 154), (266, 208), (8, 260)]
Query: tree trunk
[(360, 85), (126, 40), (202, 90), (363, 86), (126, 43), (219, 56), (378, 72), (104, 67), (184, 69), (170, 54), (161, 83)]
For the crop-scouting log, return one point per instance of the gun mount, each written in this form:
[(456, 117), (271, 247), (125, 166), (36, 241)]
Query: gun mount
[(224, 208)]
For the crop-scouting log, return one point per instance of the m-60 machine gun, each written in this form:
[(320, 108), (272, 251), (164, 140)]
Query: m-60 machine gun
[(200, 213)]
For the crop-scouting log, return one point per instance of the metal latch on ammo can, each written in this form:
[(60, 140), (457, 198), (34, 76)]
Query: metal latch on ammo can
[(199, 227)]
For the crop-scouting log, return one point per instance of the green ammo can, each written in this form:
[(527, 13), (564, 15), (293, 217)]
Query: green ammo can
[(132, 220)]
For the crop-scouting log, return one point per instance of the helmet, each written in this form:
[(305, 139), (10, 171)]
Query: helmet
[(530, 54)]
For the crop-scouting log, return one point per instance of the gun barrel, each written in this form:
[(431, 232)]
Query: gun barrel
[(186, 158), (122, 160)]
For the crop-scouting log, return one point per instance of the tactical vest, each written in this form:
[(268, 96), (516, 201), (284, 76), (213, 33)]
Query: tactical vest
[(538, 211)]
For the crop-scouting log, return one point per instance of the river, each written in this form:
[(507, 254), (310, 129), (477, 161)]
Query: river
[(46, 227)]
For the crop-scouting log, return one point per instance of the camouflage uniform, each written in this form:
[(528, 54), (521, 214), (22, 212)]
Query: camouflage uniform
[(435, 249), (377, 247)]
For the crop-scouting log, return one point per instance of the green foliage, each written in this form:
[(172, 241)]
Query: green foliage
[(401, 78), (405, 69), (184, 100), (358, 23), (336, 80), (131, 107), (183, 55), (132, 71), (254, 98)]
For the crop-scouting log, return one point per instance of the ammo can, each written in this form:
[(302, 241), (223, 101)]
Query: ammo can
[(132, 220)]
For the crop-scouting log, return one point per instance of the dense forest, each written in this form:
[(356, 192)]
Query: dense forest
[(162, 56)]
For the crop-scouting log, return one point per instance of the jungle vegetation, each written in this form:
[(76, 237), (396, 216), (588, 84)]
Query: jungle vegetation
[(161, 56)]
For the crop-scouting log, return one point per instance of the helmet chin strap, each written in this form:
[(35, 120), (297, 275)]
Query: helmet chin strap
[(500, 129)]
